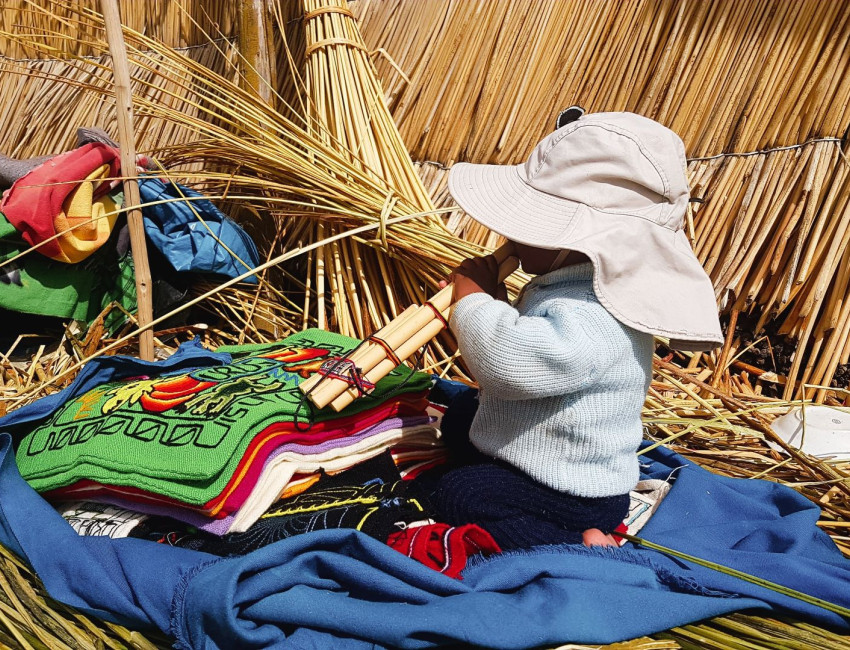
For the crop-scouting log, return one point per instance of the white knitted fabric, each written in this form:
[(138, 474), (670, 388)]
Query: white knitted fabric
[(562, 383)]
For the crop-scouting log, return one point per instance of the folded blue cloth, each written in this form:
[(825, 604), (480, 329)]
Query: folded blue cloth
[(216, 245), (343, 589)]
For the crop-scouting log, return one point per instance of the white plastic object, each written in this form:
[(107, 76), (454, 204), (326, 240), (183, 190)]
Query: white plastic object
[(820, 431)]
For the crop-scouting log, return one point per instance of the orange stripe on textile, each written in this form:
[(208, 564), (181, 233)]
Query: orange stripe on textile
[(85, 222)]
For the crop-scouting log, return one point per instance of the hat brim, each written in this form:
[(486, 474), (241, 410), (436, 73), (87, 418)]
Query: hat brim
[(498, 197), (645, 275)]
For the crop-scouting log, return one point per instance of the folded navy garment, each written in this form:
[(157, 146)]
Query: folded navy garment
[(193, 234), (343, 589)]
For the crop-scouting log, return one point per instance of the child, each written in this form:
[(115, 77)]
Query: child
[(596, 213)]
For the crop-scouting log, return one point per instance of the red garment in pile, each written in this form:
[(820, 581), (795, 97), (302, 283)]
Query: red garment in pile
[(35, 200), (442, 547)]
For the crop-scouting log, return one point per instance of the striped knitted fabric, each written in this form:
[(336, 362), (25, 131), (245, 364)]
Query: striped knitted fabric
[(312, 444)]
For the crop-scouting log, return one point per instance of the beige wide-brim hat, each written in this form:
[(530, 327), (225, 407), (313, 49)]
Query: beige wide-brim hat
[(612, 186)]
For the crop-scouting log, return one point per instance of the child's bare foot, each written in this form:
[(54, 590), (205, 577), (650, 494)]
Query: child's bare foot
[(595, 537)]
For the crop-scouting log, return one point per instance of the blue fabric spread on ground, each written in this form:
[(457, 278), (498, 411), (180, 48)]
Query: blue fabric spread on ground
[(215, 245), (343, 589)]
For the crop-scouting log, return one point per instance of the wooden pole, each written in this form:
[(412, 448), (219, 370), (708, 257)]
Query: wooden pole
[(126, 138), (259, 73)]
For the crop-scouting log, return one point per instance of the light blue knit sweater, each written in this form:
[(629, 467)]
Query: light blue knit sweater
[(562, 383)]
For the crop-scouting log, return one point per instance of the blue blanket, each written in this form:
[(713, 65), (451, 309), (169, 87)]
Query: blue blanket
[(342, 589)]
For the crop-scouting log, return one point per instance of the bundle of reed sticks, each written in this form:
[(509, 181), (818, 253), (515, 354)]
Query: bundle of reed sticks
[(344, 380), (338, 72), (45, 101), (730, 78), (486, 78), (777, 250), (65, 28), (313, 179)]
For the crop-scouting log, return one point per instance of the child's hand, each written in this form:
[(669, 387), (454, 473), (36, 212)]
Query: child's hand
[(478, 275)]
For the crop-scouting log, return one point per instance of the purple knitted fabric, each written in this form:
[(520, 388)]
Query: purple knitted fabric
[(401, 423)]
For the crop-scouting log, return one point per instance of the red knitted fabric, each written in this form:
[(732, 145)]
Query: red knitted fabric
[(442, 547), (34, 200)]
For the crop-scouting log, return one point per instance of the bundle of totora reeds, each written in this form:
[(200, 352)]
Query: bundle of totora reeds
[(761, 101), (760, 97)]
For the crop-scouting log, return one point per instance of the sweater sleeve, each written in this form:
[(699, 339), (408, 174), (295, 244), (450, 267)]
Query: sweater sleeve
[(522, 357)]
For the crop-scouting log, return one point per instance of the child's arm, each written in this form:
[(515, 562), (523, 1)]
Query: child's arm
[(523, 357)]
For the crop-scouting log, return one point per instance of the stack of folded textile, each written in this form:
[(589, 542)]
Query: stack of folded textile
[(218, 447), (370, 497)]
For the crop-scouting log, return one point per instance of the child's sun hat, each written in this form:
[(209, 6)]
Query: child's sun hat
[(611, 186)]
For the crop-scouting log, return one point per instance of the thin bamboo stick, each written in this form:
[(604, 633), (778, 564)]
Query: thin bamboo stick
[(126, 136)]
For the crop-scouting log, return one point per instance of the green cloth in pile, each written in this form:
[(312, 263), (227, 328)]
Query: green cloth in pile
[(182, 435), (35, 284)]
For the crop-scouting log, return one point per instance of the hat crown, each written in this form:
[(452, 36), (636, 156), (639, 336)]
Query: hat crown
[(614, 162)]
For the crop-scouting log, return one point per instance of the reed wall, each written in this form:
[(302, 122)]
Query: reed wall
[(759, 92)]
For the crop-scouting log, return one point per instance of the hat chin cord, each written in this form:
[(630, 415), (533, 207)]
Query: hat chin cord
[(559, 259)]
